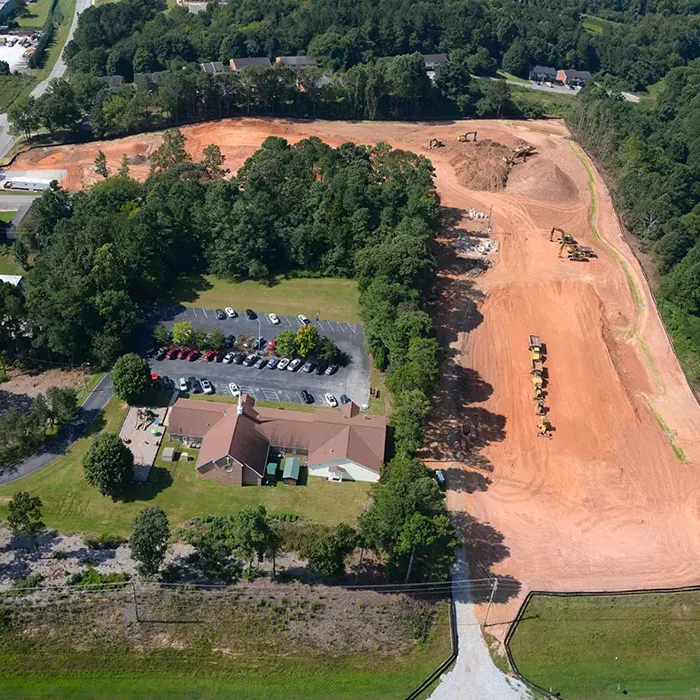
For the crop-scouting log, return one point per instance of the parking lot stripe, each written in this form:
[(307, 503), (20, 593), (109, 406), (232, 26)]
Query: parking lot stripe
[(204, 311), (194, 312), (340, 325), (282, 393), (320, 324), (352, 327)]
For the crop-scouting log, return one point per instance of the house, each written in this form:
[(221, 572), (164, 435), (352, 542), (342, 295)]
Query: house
[(112, 81), (296, 61), (235, 443), (292, 468), (214, 67), (239, 64), (12, 229), (148, 80), (434, 60), (543, 73), (574, 77), (14, 280)]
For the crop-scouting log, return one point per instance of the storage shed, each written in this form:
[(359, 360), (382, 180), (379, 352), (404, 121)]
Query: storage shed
[(292, 467)]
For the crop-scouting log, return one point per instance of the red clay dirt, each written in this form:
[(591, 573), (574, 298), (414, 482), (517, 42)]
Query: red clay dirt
[(605, 504)]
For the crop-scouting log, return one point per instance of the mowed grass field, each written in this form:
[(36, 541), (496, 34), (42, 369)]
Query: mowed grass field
[(635, 646), (334, 299), (72, 505)]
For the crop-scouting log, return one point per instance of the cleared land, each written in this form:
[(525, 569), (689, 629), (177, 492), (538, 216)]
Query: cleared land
[(597, 647), (607, 503), (329, 298), (71, 505)]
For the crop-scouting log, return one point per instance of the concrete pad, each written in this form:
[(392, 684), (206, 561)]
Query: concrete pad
[(142, 443)]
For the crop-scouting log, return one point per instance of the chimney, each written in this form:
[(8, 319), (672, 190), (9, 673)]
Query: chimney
[(240, 404)]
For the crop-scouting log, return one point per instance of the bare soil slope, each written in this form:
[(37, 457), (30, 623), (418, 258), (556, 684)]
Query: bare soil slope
[(606, 503)]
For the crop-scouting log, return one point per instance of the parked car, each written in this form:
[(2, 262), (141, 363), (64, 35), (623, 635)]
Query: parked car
[(155, 380), (228, 357), (344, 398), (207, 388), (230, 312), (303, 319), (234, 389), (440, 478), (320, 368), (229, 340), (193, 355), (259, 343), (294, 364), (272, 363), (161, 354), (195, 385), (271, 344), (308, 367), (250, 360), (183, 385), (239, 359), (184, 352), (331, 400), (173, 353), (167, 382), (209, 355), (250, 314), (273, 318), (283, 363), (220, 314), (219, 356), (152, 353), (261, 363), (306, 396), (331, 369)]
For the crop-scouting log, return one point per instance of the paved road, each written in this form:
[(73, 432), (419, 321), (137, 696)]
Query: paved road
[(15, 201), (65, 437), (474, 675), (7, 141), (560, 89)]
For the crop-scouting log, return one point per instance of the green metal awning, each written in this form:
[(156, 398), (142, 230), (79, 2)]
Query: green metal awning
[(292, 465), (271, 469)]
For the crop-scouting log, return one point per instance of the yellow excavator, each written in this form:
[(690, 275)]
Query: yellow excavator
[(538, 394), (537, 373), (523, 151), (544, 427), (540, 409), (435, 143), (464, 138), (535, 348), (563, 237)]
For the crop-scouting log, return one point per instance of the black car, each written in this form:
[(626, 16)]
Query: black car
[(250, 314), (229, 341), (344, 399), (195, 386), (320, 368), (259, 343), (220, 314), (306, 397), (239, 359), (219, 357), (152, 353)]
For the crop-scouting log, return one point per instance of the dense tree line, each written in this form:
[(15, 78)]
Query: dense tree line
[(655, 158)]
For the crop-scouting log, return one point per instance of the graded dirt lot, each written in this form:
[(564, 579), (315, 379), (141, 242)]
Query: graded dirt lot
[(612, 501)]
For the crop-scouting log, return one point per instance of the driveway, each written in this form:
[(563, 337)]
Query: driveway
[(272, 384)]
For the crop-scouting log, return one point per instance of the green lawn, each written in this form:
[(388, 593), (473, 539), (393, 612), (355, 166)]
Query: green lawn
[(331, 298), (264, 403), (555, 104), (6, 216), (512, 78), (37, 12), (8, 266), (597, 25), (71, 505), (599, 646), (11, 86)]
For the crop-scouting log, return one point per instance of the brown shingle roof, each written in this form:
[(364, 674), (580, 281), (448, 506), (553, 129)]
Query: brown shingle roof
[(195, 418)]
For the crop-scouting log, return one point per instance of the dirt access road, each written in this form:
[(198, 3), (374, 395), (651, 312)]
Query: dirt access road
[(606, 503)]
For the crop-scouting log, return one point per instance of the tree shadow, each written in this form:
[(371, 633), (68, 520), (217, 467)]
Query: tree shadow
[(20, 402), (188, 288), (159, 479)]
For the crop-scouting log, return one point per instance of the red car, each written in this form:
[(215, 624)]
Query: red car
[(155, 380), (271, 344), (173, 353), (209, 355), (184, 352), (194, 354)]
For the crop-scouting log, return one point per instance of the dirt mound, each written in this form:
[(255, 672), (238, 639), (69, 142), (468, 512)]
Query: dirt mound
[(541, 179), (480, 165)]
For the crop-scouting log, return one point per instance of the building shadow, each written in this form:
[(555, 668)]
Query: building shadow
[(159, 479)]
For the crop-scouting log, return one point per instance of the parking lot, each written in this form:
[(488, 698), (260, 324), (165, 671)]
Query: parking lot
[(271, 384)]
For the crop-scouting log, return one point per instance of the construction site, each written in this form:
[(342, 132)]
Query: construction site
[(564, 422)]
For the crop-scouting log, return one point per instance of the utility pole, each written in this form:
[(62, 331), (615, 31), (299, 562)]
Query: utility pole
[(488, 607), (488, 230)]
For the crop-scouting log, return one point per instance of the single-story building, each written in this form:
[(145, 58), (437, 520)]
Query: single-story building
[(235, 441), (296, 61), (292, 469), (239, 64), (14, 280), (434, 60), (543, 73), (574, 77), (112, 81), (214, 67)]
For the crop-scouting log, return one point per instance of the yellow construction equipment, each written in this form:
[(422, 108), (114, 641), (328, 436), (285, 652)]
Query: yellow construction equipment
[(537, 373), (563, 237), (543, 427), (540, 409), (570, 248), (464, 138), (523, 151), (535, 348), (435, 143), (538, 393)]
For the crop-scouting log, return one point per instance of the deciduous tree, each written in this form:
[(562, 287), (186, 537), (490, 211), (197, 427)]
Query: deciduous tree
[(149, 539), (24, 515), (130, 377), (108, 465)]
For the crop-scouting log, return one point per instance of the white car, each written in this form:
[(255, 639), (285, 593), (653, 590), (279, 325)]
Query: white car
[(207, 388), (273, 318), (331, 400), (282, 364), (228, 357), (303, 319), (234, 389), (294, 364), (183, 385), (230, 312)]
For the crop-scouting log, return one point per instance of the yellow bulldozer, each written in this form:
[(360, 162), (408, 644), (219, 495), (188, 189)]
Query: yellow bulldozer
[(464, 138), (540, 409), (575, 251), (435, 143), (535, 348), (563, 237), (537, 373), (544, 428)]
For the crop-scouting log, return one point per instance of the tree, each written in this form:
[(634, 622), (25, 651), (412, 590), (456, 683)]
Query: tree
[(216, 339), (213, 161), (24, 515), (171, 151), (108, 465), (57, 108), (63, 404), (4, 68), (149, 539), (160, 335), (130, 377), (101, 164), (326, 350), (306, 340), (326, 552), (23, 118), (285, 343), (183, 333), (409, 411), (123, 167), (516, 60), (19, 8), (250, 533), (496, 99)]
